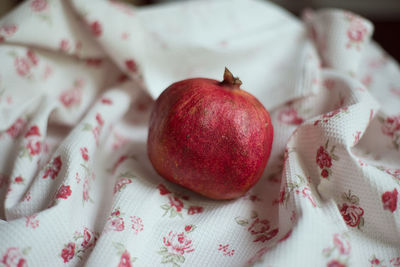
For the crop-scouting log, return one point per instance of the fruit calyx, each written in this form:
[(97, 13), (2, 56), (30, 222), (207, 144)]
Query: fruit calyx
[(230, 81)]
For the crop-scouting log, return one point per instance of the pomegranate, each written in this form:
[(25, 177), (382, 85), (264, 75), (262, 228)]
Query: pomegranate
[(209, 136)]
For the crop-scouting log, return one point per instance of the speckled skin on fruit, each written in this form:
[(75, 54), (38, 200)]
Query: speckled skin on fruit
[(210, 137)]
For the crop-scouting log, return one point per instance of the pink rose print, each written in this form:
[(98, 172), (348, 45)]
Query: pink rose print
[(125, 260), (96, 28), (356, 33), (53, 168), (391, 125), (9, 30), (64, 192), (32, 57), (115, 222), (389, 200), (324, 159), (226, 251), (68, 252), (341, 244), (374, 261), (71, 97), (289, 116), (89, 239), (259, 226), (99, 119), (137, 224), (195, 210), (85, 153), (22, 66), (163, 189), (335, 263), (33, 131), (13, 257), (16, 129), (395, 261), (64, 45), (31, 221), (106, 101), (131, 65), (121, 184), (178, 243), (38, 5), (174, 201)]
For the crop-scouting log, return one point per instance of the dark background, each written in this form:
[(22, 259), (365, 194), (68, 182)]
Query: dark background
[(384, 14)]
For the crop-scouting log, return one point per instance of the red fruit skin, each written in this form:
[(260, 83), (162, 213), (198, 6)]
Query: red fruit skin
[(209, 137)]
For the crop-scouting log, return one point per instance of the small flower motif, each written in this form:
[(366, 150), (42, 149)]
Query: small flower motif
[(259, 226), (53, 168), (96, 28), (39, 5), (163, 189), (34, 147), (71, 97), (342, 244), (131, 65), (137, 224), (18, 180), (15, 129), (226, 250), (174, 201), (356, 31), (89, 239), (22, 66), (195, 210), (289, 116), (389, 200), (64, 192), (99, 119), (31, 221), (117, 224), (68, 252), (391, 125), (374, 261), (324, 159), (33, 131), (14, 257), (85, 153), (32, 57), (125, 260), (121, 184)]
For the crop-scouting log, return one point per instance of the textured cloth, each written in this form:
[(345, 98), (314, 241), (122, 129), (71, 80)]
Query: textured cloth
[(77, 82)]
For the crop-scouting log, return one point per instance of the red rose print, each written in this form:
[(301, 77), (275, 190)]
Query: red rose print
[(351, 214), (178, 243), (89, 239), (163, 189), (71, 97), (267, 236), (137, 224), (194, 210), (32, 57), (68, 252), (16, 128), (391, 125), (389, 200), (335, 263), (325, 173), (342, 244), (84, 153), (33, 131), (174, 201), (13, 257), (96, 28), (38, 5), (54, 168), (22, 66), (131, 65), (323, 159), (64, 192), (125, 260), (34, 147), (121, 183), (18, 179), (289, 116), (99, 119), (106, 101)]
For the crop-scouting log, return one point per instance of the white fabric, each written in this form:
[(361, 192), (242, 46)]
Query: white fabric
[(77, 80)]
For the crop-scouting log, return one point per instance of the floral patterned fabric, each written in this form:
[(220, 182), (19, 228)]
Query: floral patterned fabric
[(77, 82)]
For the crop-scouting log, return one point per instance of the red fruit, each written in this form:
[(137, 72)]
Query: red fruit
[(210, 136)]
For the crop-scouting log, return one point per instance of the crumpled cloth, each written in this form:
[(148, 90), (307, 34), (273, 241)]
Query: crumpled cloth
[(77, 82)]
